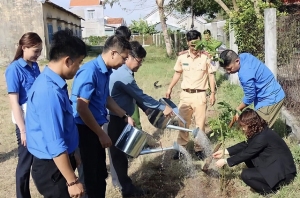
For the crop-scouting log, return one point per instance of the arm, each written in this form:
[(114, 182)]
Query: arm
[(18, 115), (249, 93), (253, 148), (88, 118), (176, 77), (212, 83), (114, 107)]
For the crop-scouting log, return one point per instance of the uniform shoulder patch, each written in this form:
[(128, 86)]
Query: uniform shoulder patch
[(183, 52)]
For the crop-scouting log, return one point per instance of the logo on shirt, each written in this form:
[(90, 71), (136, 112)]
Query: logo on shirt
[(185, 64)]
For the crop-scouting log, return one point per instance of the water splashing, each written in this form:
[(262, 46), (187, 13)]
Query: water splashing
[(187, 161), (204, 142)]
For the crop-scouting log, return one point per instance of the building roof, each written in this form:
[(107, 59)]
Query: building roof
[(114, 20), (63, 9), (85, 3)]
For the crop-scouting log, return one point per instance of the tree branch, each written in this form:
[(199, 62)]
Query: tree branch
[(235, 6), (224, 6), (256, 8)]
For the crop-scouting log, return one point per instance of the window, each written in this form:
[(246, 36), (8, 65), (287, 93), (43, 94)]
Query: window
[(91, 14), (58, 28), (50, 32)]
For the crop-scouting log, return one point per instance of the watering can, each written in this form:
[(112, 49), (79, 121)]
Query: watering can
[(194, 131), (133, 140), (159, 120)]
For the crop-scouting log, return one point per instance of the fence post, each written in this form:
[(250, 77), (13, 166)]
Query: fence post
[(270, 40), (156, 40), (233, 78), (153, 39), (175, 42), (214, 30), (160, 39), (143, 39)]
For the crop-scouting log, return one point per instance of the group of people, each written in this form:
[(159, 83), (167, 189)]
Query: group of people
[(58, 132)]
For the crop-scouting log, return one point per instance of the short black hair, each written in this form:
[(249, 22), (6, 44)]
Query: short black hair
[(193, 35), (118, 43), (207, 32), (227, 57), (65, 44), (137, 50), (123, 31)]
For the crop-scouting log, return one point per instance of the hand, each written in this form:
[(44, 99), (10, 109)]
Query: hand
[(23, 138), (105, 140), (130, 121), (220, 163), (168, 93), (76, 190), (168, 111), (218, 154), (212, 99)]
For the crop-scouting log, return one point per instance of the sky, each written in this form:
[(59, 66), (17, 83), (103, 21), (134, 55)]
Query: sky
[(128, 9)]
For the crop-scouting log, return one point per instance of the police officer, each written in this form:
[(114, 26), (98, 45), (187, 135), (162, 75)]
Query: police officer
[(197, 70)]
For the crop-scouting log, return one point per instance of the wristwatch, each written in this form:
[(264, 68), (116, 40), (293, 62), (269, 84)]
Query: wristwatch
[(125, 116)]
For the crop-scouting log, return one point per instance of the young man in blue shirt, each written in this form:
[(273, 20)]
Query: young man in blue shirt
[(258, 82), (124, 90), (90, 97), (52, 135)]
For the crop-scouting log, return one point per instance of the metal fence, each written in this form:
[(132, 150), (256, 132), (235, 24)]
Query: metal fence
[(288, 59)]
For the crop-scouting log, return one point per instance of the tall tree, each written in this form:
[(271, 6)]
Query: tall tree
[(161, 9)]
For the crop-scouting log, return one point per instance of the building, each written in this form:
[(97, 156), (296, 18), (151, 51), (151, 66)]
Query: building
[(175, 21), (111, 24), (40, 16), (93, 13)]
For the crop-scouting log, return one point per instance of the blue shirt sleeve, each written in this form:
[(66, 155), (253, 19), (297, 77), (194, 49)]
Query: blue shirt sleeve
[(49, 108), (84, 85), (249, 91), (129, 85), (12, 79)]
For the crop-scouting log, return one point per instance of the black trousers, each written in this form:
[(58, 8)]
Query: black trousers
[(119, 158), (255, 180), (48, 180), (93, 162), (23, 169)]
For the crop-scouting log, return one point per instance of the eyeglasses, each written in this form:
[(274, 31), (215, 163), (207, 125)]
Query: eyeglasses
[(139, 61), (124, 59)]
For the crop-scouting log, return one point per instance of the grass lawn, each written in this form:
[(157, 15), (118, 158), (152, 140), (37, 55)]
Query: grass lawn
[(164, 177)]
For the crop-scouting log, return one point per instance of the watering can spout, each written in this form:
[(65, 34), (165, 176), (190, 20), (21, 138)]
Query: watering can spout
[(156, 150), (194, 132)]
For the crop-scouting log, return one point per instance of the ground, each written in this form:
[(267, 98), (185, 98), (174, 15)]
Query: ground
[(164, 177)]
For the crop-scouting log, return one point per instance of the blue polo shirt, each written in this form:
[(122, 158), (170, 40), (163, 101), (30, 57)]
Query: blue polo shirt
[(125, 91), (20, 77), (91, 83), (50, 125), (258, 82)]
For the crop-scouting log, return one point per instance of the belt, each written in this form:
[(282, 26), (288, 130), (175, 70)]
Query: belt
[(194, 90)]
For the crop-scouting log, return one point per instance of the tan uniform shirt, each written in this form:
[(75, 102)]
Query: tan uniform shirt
[(194, 70)]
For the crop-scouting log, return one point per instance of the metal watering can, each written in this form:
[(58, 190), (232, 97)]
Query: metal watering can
[(159, 120), (132, 142)]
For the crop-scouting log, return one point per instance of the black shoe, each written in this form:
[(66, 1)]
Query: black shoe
[(200, 155), (137, 192), (177, 155)]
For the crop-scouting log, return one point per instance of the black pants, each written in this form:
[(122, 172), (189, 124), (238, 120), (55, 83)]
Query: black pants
[(93, 162), (48, 179), (255, 180), (119, 158), (23, 169)]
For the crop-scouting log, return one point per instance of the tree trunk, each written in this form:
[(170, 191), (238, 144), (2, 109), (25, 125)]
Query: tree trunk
[(160, 5), (224, 6)]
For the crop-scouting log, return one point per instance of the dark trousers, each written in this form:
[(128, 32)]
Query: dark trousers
[(119, 158), (48, 180), (93, 162), (255, 180), (23, 169)]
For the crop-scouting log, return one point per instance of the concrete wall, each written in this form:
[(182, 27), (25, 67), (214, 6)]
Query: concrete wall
[(18, 17), (91, 27), (59, 18)]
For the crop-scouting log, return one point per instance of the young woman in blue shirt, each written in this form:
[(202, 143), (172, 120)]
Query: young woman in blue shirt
[(20, 75)]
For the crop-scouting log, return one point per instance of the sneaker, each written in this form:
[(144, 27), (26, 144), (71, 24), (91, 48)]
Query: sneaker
[(137, 192), (177, 155), (200, 155)]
